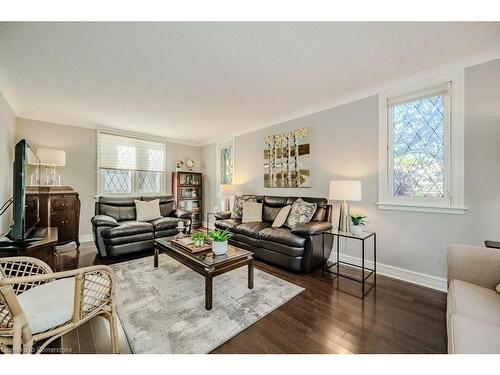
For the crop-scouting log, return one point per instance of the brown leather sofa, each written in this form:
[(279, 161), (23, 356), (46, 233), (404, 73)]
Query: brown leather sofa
[(116, 232), (296, 250)]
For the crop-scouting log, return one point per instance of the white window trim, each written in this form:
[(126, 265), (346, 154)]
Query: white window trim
[(454, 158), (229, 141), (133, 135)]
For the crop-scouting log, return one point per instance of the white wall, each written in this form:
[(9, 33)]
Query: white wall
[(7, 128), (209, 165), (344, 145), (80, 145)]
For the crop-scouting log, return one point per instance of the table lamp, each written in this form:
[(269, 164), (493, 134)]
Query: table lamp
[(227, 191), (344, 190), (52, 158)]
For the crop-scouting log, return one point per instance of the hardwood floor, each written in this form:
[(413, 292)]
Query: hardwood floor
[(396, 317)]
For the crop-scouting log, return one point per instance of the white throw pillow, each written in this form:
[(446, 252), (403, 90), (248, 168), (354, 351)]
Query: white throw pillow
[(280, 219), (146, 211), (252, 212)]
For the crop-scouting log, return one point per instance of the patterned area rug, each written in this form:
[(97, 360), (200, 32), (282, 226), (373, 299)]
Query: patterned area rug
[(162, 310)]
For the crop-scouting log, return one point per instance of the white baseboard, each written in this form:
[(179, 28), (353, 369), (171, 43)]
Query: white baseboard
[(413, 277), (86, 238)]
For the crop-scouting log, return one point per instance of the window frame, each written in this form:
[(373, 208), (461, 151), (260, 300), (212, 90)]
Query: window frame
[(453, 202), (133, 182)]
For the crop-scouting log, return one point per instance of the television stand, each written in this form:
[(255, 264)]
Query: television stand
[(41, 245)]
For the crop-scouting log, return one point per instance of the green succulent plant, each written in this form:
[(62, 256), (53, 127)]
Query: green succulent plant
[(358, 219), (198, 236), (220, 235)]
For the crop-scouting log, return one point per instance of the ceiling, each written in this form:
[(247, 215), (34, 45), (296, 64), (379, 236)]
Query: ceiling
[(196, 82)]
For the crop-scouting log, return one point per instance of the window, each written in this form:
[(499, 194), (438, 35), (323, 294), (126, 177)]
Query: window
[(421, 148), (225, 163), (129, 165)]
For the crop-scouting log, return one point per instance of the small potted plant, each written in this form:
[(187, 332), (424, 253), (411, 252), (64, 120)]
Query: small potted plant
[(198, 239), (357, 224), (219, 241)]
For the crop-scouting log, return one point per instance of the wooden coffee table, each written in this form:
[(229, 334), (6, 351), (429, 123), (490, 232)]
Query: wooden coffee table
[(207, 264)]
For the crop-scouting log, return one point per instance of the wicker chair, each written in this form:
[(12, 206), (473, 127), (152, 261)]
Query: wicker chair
[(37, 304)]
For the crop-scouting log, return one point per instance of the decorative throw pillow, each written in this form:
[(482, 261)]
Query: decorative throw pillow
[(146, 211), (301, 212), (237, 212), (252, 212), (280, 219), (498, 288)]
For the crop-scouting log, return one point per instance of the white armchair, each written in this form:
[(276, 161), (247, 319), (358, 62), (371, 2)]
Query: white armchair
[(37, 304)]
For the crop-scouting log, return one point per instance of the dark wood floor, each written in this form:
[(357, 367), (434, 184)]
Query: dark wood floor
[(395, 317)]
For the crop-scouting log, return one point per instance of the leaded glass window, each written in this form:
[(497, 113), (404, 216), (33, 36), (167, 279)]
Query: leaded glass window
[(226, 164), (418, 148)]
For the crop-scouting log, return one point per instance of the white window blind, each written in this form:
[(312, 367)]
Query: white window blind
[(120, 152), (130, 165)]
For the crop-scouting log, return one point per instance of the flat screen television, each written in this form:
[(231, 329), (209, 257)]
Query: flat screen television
[(25, 215)]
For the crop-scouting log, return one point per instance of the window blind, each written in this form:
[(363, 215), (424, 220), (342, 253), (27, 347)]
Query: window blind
[(443, 89), (121, 152)]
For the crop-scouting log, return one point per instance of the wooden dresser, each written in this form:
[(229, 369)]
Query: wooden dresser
[(59, 206)]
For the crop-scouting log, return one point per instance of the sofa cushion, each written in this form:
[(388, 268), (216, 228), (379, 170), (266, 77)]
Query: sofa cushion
[(146, 211), (470, 336), (252, 229), (288, 250), (164, 223), (473, 301), (280, 219), (48, 305), (283, 236), (227, 224), (301, 212), (252, 212), (128, 228), (237, 212)]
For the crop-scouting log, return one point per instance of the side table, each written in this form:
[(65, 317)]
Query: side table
[(371, 271)]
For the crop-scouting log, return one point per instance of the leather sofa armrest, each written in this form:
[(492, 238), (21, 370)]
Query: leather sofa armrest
[(104, 220), (222, 215), (474, 264), (181, 214), (312, 228)]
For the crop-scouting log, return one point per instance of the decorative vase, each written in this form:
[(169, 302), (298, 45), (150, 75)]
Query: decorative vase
[(357, 230), (219, 247)]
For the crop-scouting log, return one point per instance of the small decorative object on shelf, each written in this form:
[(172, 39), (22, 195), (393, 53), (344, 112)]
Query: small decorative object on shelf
[(219, 241), (178, 166), (357, 224), (198, 239), (190, 164)]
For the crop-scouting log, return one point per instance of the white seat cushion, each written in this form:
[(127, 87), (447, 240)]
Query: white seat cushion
[(473, 301), (48, 305), (470, 336)]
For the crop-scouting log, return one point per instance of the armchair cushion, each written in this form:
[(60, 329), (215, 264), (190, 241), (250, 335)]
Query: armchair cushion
[(104, 220), (227, 224), (312, 228), (222, 215), (48, 305), (181, 214), (128, 228)]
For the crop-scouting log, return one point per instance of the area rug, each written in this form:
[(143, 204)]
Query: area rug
[(163, 310)]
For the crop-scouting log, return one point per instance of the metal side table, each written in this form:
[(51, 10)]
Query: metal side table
[(366, 272)]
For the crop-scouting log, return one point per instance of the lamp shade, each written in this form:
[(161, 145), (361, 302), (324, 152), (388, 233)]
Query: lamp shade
[(227, 190), (51, 157), (345, 190)]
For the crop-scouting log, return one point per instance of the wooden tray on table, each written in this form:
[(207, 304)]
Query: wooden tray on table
[(188, 245)]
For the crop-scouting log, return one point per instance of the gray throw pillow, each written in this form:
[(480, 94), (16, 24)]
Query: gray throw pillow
[(301, 212), (237, 212)]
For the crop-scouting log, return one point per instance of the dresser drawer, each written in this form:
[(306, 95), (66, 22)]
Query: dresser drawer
[(66, 224), (62, 203)]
